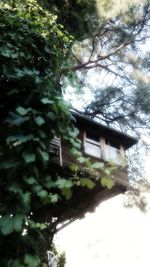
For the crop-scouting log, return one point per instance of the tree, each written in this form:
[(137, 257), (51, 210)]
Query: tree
[(112, 49), (39, 48), (138, 195), (33, 49)]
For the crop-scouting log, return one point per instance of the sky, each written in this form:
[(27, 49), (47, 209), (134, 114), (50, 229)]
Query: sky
[(112, 236)]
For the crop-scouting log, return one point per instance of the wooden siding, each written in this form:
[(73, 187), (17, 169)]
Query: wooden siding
[(67, 158), (84, 199)]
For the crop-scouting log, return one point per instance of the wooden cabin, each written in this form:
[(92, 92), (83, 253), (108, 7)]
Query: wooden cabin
[(101, 144), (98, 142)]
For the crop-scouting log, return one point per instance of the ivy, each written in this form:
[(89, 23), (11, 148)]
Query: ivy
[(107, 182), (87, 182), (29, 157), (98, 165), (39, 120), (31, 260), (64, 183), (34, 47), (67, 193), (9, 223)]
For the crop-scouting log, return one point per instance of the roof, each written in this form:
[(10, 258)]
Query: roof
[(87, 123)]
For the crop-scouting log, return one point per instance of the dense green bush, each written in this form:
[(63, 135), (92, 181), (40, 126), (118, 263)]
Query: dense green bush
[(33, 48)]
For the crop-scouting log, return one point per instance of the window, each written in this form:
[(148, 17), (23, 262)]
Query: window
[(55, 146), (112, 152), (55, 149), (92, 145)]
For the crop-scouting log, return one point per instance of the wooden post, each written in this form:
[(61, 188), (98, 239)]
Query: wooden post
[(60, 154), (102, 143), (84, 139), (122, 153)]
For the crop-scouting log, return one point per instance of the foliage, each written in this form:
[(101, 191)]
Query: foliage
[(113, 8), (138, 195), (76, 16), (112, 66), (112, 62), (61, 257), (34, 48)]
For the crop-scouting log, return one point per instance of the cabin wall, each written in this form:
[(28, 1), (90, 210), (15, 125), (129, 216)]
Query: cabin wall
[(67, 157), (98, 150), (105, 153), (85, 199)]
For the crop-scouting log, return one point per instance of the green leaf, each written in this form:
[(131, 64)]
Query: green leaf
[(51, 116), (29, 157), (46, 100), (44, 155), (6, 52), (16, 119), (18, 222), (14, 263), (64, 183), (42, 194), (108, 170), (41, 226), (6, 225), (8, 164), (76, 143), (74, 132), (74, 167), (28, 71), (30, 180), (67, 193), (50, 184), (98, 165), (26, 198), (87, 182), (42, 134), (39, 120), (20, 138), (107, 182), (54, 198), (76, 152), (81, 160), (7, 6), (22, 111), (37, 188), (15, 188), (31, 260), (43, 145)]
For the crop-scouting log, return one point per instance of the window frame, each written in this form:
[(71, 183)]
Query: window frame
[(90, 141), (101, 144), (111, 147)]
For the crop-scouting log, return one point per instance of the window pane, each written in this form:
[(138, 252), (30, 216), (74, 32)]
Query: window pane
[(106, 153), (112, 154), (92, 136), (92, 150), (54, 146)]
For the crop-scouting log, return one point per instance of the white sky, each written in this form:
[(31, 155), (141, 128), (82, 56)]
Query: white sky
[(113, 236)]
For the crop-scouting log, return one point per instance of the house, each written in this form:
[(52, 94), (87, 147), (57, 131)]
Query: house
[(101, 144)]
